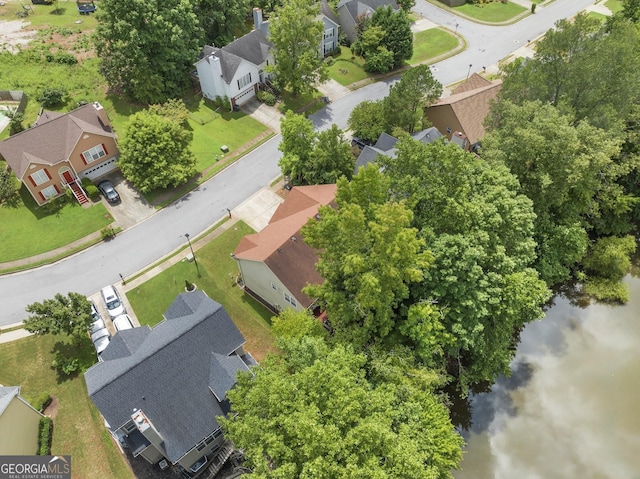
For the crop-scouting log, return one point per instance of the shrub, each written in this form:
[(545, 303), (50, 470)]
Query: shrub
[(610, 257), (533, 8), (189, 286), (607, 290), (44, 436), (90, 188), (41, 401), (107, 232), (267, 97), (9, 186), (379, 62), (65, 365), (329, 61), (51, 97)]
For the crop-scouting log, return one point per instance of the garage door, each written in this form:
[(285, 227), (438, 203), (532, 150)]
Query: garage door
[(100, 169), (245, 96)]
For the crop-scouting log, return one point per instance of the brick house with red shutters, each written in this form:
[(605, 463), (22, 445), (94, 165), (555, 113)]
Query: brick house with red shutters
[(61, 149)]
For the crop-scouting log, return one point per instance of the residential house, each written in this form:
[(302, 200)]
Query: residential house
[(19, 423), (275, 264), (386, 145), (461, 115), (61, 149), (160, 389), (234, 71), (330, 40), (349, 11)]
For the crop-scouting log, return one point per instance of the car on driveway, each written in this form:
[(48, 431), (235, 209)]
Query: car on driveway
[(109, 192), (112, 301), (100, 340), (122, 322)]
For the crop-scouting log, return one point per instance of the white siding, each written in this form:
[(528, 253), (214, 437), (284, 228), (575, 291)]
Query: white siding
[(210, 77), (261, 280)]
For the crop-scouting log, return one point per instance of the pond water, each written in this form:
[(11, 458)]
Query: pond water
[(571, 409)]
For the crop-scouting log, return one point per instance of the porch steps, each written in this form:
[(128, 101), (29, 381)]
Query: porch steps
[(78, 193), (218, 461)]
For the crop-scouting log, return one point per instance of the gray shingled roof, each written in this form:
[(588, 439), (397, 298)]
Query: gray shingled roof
[(53, 139), (386, 145), (223, 372), (252, 47), (7, 393), (167, 374), (360, 7)]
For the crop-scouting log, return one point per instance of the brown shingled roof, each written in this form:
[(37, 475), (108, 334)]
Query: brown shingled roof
[(280, 245), (53, 139), (474, 82), (471, 107)]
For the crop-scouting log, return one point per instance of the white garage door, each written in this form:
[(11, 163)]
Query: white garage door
[(100, 169), (245, 96)]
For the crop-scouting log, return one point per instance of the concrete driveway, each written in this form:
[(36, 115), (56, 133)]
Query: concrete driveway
[(133, 208)]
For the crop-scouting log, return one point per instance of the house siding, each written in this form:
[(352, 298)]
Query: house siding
[(19, 429), (258, 278), (329, 37), (194, 455), (444, 119), (210, 76)]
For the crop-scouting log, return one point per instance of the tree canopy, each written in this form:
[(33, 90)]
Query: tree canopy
[(155, 152), (367, 119), (320, 412), (222, 20), (479, 230), (569, 171), (310, 157), (147, 49), (296, 34), (70, 315), (369, 254)]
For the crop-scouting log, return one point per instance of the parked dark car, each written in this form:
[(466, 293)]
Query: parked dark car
[(361, 142), (109, 192)]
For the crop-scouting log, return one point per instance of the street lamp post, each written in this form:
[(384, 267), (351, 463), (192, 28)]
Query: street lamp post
[(456, 32), (469, 71), (186, 235)]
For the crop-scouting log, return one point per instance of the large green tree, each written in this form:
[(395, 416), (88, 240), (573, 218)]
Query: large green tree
[(310, 157), (586, 69), (479, 229), (147, 49), (568, 170), (69, 315), (296, 35), (367, 119), (316, 412), (156, 152), (369, 255), (222, 20), (403, 107)]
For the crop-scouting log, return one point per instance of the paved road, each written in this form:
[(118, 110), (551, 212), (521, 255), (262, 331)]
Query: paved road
[(143, 244)]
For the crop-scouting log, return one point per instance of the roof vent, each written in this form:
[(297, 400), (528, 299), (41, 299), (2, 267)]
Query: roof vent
[(293, 238)]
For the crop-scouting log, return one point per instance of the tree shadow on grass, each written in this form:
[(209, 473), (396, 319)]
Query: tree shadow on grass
[(67, 353)]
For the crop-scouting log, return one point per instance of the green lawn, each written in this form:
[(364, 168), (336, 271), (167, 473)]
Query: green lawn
[(614, 5), (151, 299), (494, 12), (431, 43), (308, 103), (28, 230), (347, 68), (78, 428), (599, 16)]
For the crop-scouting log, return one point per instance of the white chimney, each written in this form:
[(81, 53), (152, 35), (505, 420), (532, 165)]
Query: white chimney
[(257, 18)]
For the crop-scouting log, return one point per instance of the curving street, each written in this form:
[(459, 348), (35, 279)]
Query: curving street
[(143, 244)]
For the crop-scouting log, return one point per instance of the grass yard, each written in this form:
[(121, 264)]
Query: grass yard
[(347, 68), (614, 5), (431, 43), (78, 428), (212, 129), (27, 230), (307, 103), (599, 16), (217, 269), (494, 12)]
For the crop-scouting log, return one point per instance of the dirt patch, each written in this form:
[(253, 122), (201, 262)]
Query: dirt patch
[(52, 409), (14, 35)]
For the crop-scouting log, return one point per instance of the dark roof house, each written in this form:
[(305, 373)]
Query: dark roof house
[(160, 389), (348, 12)]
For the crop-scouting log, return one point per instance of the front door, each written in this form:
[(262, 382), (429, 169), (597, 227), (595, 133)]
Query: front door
[(67, 176)]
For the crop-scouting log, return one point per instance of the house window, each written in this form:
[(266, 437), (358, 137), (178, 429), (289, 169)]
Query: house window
[(290, 299), (274, 287), (201, 446), (449, 130), (328, 33), (49, 192), (94, 154), (129, 427), (244, 81), (40, 177)]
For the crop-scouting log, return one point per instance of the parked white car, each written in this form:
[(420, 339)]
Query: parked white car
[(122, 322), (100, 340), (112, 301)]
